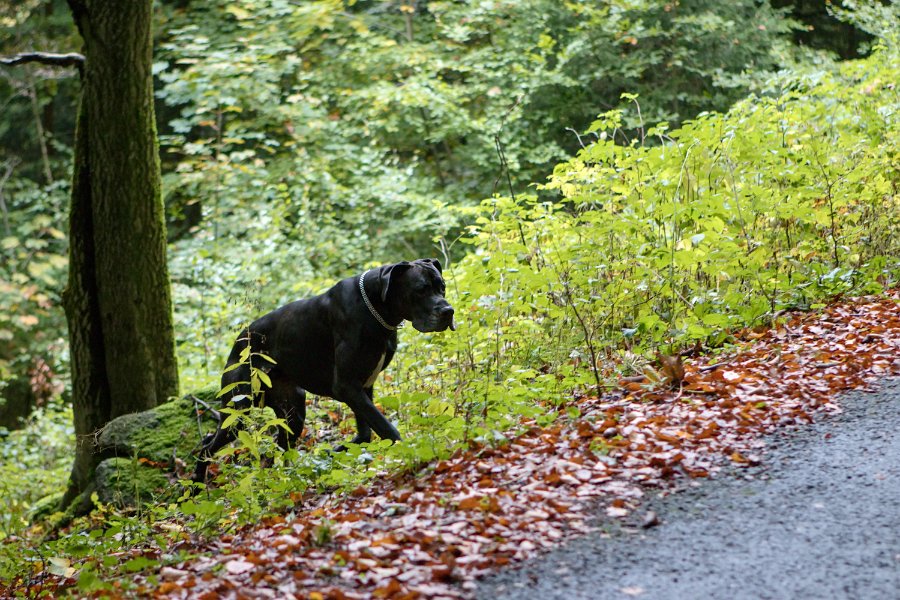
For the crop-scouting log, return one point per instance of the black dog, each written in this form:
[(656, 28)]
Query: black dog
[(335, 345)]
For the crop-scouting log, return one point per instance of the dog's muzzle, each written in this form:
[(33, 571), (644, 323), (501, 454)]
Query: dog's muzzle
[(439, 320), (446, 319)]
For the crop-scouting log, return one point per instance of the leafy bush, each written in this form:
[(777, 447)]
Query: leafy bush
[(787, 200), (33, 346), (678, 237), (35, 166), (301, 140), (34, 464)]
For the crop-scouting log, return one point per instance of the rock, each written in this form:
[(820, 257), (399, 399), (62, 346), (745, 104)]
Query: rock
[(139, 450), (45, 507), (156, 433), (125, 482), (650, 520)]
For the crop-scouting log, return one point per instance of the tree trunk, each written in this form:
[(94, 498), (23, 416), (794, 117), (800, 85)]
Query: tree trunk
[(18, 399), (118, 302)]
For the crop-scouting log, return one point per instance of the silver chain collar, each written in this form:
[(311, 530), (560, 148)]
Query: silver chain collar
[(365, 297)]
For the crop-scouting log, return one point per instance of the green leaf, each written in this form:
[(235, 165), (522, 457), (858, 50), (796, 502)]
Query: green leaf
[(231, 419), (59, 565), (263, 377), (139, 563), (249, 443), (228, 388), (266, 357), (89, 581)]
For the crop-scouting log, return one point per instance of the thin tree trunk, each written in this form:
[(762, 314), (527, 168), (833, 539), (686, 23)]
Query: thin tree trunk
[(39, 127)]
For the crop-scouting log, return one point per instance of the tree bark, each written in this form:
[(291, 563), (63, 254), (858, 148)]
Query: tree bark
[(118, 300)]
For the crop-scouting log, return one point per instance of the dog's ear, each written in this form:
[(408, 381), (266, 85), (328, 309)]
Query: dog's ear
[(389, 271), (436, 263)]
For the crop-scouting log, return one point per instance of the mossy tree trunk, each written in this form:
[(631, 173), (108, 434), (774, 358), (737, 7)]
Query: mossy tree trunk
[(118, 301)]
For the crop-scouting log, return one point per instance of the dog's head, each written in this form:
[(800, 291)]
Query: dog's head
[(415, 291)]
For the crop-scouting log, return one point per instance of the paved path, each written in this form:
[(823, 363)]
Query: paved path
[(820, 519)]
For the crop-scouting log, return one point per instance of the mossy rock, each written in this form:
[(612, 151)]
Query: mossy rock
[(45, 507), (127, 482), (140, 449), (157, 434)]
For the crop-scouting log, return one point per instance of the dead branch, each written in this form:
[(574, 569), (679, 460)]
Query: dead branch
[(71, 59)]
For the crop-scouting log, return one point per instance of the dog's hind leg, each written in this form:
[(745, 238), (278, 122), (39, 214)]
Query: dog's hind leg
[(290, 405), (212, 444), (238, 397)]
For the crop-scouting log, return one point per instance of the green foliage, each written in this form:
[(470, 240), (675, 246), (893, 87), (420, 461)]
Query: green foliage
[(36, 122), (35, 163), (819, 28), (34, 463), (301, 140), (358, 93), (879, 19), (32, 275), (783, 202)]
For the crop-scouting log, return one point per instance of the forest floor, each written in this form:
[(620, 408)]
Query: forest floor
[(608, 466), (702, 476)]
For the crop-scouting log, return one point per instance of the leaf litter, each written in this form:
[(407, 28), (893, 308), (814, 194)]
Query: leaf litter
[(431, 534)]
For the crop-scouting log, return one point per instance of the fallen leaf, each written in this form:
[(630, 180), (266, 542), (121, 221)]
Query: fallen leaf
[(236, 567)]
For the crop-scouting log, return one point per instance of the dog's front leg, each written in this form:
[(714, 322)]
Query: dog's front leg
[(363, 431), (365, 412)]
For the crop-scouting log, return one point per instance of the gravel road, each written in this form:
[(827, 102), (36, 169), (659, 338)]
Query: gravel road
[(820, 518)]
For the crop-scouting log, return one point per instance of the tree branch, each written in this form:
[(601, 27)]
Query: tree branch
[(72, 59)]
